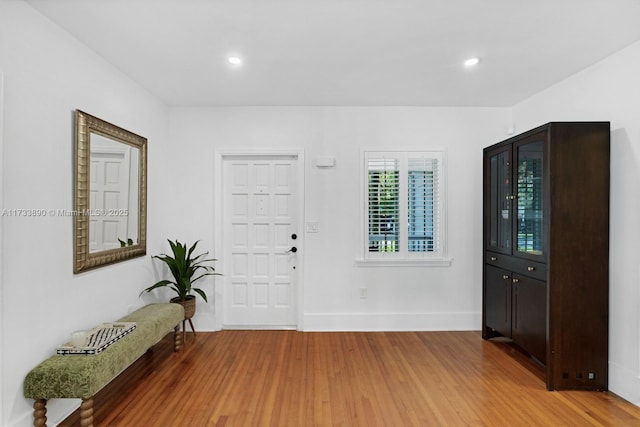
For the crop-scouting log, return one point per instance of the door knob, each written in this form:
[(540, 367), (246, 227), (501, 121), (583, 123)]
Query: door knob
[(293, 249)]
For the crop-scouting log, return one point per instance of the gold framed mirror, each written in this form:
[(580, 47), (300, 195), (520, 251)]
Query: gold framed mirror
[(110, 191)]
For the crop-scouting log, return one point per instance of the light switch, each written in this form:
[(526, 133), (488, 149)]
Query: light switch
[(311, 227)]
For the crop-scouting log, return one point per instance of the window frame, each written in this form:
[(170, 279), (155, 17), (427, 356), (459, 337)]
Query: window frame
[(403, 257)]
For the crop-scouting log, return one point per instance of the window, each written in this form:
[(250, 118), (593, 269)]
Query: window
[(404, 206)]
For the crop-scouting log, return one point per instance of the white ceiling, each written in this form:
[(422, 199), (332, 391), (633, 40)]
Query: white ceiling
[(348, 52)]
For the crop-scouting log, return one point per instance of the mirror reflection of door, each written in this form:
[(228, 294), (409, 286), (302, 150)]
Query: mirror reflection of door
[(112, 192)]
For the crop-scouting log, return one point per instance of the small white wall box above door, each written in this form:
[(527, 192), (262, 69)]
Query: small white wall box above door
[(325, 162)]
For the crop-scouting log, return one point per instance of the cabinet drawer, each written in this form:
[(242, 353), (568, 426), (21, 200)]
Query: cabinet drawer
[(536, 270)]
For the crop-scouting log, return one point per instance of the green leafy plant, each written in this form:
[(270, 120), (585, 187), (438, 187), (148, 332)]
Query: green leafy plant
[(186, 269), (123, 244)]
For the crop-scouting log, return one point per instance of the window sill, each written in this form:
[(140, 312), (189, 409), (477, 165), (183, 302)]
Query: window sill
[(440, 262)]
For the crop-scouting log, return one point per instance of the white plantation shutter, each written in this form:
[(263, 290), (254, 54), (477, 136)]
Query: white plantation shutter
[(383, 204), (423, 200), (404, 193)]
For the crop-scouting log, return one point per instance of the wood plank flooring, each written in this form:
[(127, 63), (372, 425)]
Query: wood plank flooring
[(289, 378)]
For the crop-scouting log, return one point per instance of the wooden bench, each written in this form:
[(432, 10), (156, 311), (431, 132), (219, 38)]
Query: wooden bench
[(82, 376)]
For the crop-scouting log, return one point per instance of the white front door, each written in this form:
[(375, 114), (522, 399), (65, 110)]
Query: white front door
[(260, 241)]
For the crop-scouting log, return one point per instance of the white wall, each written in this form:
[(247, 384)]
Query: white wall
[(398, 298), (610, 91), (47, 75)]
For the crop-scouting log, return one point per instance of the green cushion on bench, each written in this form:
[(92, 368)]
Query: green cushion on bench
[(81, 376)]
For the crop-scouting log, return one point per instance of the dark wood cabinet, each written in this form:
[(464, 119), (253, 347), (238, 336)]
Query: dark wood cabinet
[(546, 249)]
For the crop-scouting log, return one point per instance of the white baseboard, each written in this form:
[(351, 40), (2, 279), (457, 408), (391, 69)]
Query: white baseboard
[(392, 321), (624, 382), (260, 327)]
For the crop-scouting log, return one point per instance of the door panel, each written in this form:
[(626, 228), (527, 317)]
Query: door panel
[(529, 328), (529, 227), (500, 198), (259, 219), (498, 300)]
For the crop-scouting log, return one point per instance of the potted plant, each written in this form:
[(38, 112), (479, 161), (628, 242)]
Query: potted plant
[(186, 269)]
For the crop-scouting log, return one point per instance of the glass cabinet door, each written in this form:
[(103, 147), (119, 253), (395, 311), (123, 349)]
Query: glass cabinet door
[(529, 221), (499, 197)]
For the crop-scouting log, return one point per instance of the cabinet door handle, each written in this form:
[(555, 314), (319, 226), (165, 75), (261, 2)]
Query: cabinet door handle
[(505, 276), (494, 258), (514, 280), (530, 268)]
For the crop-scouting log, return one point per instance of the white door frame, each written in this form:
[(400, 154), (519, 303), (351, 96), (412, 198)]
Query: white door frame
[(220, 155)]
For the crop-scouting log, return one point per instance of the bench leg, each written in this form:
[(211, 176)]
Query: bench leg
[(40, 413), (177, 338), (86, 412)]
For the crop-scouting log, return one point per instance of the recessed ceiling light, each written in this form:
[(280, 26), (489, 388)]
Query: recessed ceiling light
[(234, 60), (471, 62)]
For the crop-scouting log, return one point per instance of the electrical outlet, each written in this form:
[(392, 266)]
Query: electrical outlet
[(363, 292)]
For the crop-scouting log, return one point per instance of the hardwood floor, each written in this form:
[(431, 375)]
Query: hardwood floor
[(288, 378)]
